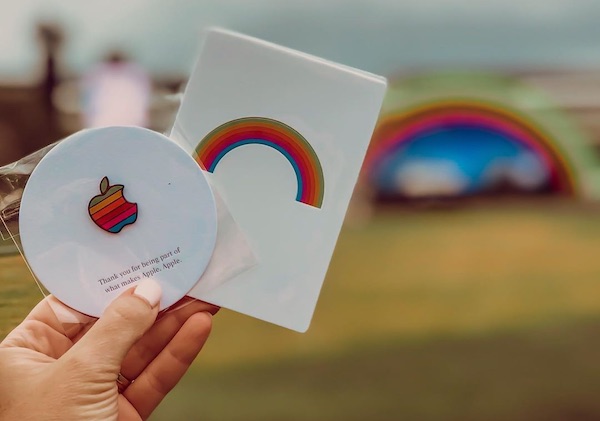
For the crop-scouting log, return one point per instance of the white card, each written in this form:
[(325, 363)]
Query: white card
[(283, 136), (108, 207)]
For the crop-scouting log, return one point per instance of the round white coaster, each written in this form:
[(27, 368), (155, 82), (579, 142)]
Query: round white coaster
[(108, 207)]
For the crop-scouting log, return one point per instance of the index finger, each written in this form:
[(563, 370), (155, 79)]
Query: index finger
[(159, 335)]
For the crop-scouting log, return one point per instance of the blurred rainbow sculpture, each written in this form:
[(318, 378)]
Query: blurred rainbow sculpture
[(463, 134)]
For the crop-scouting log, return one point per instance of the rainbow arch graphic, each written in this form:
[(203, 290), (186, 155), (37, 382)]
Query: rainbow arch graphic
[(272, 133), (397, 129)]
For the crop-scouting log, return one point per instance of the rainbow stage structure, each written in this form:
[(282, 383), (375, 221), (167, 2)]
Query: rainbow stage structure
[(463, 134)]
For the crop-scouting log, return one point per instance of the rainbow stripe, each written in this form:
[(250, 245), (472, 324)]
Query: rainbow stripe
[(272, 133), (396, 130), (113, 212)]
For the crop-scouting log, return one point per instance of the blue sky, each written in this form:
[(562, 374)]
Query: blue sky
[(383, 36)]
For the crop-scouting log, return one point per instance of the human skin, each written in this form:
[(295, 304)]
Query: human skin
[(51, 370)]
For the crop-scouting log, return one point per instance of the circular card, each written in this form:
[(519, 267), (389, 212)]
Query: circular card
[(108, 207)]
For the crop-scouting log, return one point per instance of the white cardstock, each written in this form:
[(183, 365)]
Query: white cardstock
[(283, 135), (108, 207)]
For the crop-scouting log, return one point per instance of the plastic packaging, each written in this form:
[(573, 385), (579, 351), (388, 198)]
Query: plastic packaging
[(231, 255)]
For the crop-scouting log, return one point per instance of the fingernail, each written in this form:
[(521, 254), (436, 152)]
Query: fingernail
[(149, 290)]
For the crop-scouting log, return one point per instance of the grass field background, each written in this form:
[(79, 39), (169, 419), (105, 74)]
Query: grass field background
[(487, 312)]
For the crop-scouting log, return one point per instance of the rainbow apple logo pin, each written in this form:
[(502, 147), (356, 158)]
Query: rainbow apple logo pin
[(110, 210)]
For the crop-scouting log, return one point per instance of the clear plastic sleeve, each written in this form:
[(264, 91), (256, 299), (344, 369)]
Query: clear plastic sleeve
[(232, 254)]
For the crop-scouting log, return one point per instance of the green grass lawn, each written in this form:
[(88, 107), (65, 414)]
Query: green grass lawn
[(481, 313)]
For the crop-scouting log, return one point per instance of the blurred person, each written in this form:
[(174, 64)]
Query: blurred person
[(116, 93), (118, 368), (51, 38)]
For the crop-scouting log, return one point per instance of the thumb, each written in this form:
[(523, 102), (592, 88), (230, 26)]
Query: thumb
[(123, 322)]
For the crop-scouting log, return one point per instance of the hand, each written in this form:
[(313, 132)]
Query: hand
[(54, 371)]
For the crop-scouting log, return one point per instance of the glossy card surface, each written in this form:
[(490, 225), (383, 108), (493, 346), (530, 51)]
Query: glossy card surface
[(282, 135), (108, 207)]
